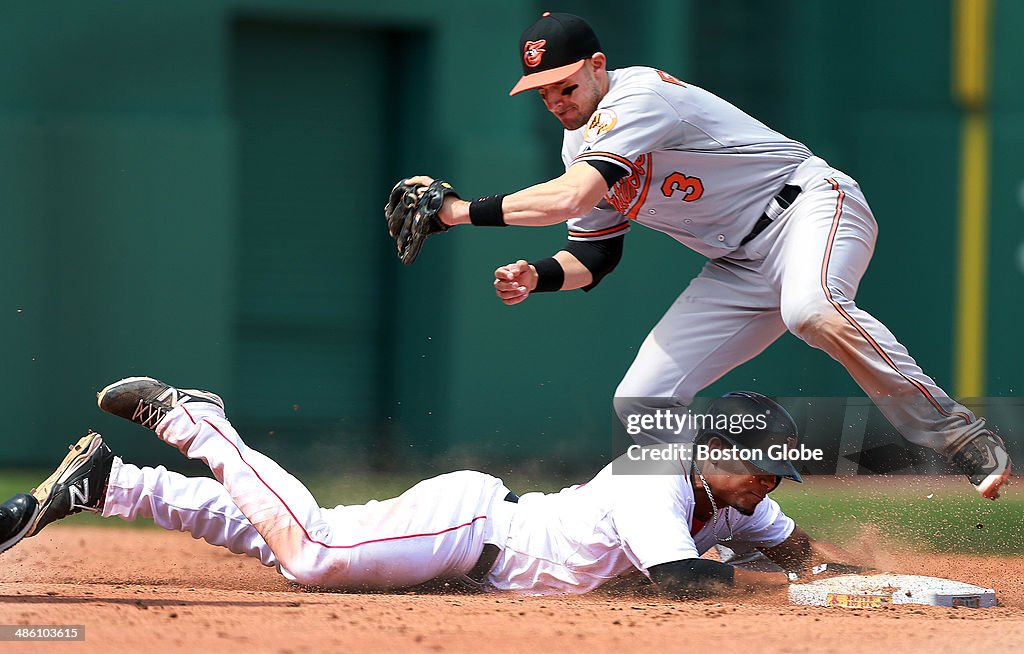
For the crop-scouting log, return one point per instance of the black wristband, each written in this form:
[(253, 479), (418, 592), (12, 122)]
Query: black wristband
[(550, 275), (486, 212)]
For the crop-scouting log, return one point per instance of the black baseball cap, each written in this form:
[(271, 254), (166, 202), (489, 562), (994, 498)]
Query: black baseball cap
[(778, 428), (554, 48)]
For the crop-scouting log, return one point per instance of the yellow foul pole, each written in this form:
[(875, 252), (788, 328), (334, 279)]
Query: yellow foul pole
[(971, 45)]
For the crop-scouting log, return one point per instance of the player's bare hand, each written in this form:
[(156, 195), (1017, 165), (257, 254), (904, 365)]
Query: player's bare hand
[(513, 282), (421, 180)]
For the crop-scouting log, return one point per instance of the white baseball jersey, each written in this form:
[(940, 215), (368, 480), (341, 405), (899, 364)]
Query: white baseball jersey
[(567, 542), (577, 539), (699, 169)]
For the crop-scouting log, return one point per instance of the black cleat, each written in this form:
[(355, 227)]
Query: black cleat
[(986, 463), (78, 484), (146, 401), (16, 517)]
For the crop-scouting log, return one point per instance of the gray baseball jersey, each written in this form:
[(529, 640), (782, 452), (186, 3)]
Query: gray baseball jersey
[(698, 168)]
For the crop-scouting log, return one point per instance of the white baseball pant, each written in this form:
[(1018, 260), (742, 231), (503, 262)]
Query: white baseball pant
[(436, 529)]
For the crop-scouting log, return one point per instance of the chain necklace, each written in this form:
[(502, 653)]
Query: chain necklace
[(714, 508)]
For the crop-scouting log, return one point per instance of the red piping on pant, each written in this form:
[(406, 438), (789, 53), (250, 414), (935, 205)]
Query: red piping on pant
[(863, 332), (303, 527)]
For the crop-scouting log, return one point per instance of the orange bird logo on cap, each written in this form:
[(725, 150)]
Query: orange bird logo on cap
[(533, 51)]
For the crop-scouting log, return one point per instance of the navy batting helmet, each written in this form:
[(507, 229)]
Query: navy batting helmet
[(768, 424)]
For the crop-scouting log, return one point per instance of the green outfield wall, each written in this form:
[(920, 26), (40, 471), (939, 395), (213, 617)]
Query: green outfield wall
[(193, 190)]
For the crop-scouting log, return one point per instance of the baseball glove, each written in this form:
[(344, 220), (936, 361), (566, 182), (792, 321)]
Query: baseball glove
[(411, 213)]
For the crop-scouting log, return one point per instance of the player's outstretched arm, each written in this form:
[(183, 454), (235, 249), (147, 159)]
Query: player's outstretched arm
[(801, 554), (578, 265), (572, 194), (549, 203), (514, 282), (691, 578)]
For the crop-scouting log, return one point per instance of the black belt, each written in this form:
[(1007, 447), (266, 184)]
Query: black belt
[(785, 198), (490, 553)]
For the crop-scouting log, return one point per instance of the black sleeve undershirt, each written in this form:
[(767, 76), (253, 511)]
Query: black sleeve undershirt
[(692, 577), (599, 257), (611, 172)]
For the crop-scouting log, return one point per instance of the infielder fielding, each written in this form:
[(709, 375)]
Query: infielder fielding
[(464, 526), (788, 238)]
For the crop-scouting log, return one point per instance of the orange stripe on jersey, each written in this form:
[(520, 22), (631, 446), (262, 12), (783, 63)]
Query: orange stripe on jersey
[(635, 209), (604, 232), (607, 155), (863, 332)]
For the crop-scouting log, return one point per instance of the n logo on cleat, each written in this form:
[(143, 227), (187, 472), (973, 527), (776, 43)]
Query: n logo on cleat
[(172, 397), (79, 496)]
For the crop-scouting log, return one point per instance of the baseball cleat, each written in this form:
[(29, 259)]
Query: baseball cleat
[(146, 401), (986, 463), (16, 517), (78, 484)]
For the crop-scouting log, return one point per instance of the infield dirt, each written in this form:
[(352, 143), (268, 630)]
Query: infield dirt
[(150, 591)]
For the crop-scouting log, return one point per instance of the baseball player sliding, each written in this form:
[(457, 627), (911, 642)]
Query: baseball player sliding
[(788, 238), (464, 526)]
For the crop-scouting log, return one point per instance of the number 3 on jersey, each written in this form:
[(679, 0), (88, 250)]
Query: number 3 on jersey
[(690, 187)]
